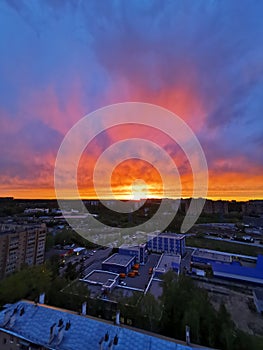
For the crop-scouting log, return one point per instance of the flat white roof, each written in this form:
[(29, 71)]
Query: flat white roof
[(166, 262), (119, 259)]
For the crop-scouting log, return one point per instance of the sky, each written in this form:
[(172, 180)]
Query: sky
[(63, 59)]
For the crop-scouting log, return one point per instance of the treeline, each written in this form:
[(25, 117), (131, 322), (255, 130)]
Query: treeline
[(183, 303), (30, 282), (67, 236)]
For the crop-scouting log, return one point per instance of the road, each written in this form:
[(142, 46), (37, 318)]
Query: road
[(92, 262)]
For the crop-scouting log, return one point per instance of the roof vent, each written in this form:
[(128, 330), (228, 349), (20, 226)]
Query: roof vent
[(52, 332), (22, 311), (60, 335), (101, 343), (106, 336), (115, 340), (68, 324)]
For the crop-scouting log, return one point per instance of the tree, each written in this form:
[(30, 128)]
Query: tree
[(27, 283), (151, 310)]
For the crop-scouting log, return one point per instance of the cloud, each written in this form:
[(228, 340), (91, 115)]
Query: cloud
[(60, 60)]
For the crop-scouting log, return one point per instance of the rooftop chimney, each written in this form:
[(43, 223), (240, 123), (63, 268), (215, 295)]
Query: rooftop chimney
[(115, 340), (106, 336)]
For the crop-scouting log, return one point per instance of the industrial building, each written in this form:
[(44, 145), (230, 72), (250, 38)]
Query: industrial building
[(206, 256), (167, 262), (21, 244), (119, 263), (170, 243), (234, 267), (239, 272), (139, 251), (25, 325)]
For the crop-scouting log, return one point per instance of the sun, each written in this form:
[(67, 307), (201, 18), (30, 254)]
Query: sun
[(139, 190)]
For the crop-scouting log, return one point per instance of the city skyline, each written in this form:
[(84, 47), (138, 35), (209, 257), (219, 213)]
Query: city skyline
[(62, 60)]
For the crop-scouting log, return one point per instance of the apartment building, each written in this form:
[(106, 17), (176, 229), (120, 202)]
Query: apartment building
[(21, 244)]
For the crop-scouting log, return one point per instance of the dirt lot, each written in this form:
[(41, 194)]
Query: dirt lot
[(240, 306)]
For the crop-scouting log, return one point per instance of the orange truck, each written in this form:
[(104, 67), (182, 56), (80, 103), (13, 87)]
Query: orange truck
[(122, 275), (136, 266), (131, 274)]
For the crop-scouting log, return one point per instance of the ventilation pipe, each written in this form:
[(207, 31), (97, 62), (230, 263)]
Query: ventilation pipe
[(117, 317), (187, 335)]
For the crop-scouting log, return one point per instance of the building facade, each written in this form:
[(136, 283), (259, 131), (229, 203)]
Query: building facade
[(170, 243), (21, 244), (140, 252)]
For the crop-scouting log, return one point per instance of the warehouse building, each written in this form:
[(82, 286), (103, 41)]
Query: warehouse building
[(236, 271), (119, 263), (206, 256), (170, 243)]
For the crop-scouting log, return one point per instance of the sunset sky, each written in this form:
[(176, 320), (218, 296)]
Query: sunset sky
[(61, 60)]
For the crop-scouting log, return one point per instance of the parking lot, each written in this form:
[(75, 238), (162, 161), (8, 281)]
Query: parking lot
[(141, 281)]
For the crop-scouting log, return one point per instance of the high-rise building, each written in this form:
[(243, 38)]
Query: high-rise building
[(21, 244)]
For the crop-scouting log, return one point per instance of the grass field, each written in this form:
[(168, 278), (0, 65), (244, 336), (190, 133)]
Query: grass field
[(222, 246)]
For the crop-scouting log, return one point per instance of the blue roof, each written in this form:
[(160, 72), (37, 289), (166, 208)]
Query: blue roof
[(84, 332), (236, 269)]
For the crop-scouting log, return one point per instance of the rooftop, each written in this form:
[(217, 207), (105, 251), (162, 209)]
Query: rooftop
[(166, 234), (236, 271), (167, 262), (17, 228), (99, 277), (213, 255), (119, 259), (63, 330), (132, 247)]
